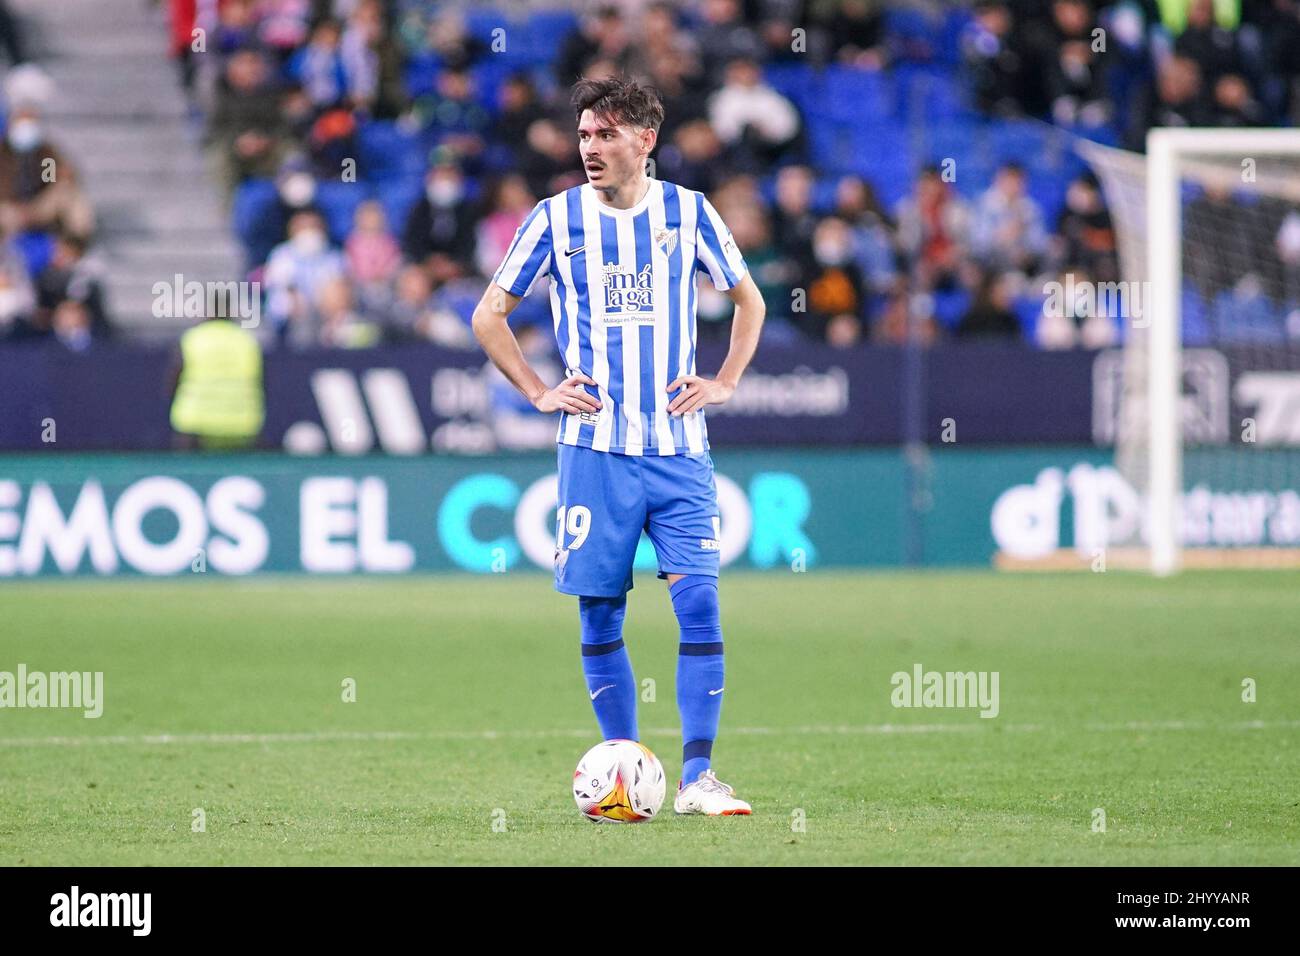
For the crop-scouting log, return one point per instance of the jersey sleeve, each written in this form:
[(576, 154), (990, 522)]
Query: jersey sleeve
[(716, 249), (529, 255)]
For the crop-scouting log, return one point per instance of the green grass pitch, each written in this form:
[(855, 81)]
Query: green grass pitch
[(1117, 692)]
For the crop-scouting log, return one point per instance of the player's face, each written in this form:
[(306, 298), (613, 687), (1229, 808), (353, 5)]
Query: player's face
[(611, 155)]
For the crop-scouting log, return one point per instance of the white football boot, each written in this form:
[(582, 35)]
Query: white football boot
[(710, 796)]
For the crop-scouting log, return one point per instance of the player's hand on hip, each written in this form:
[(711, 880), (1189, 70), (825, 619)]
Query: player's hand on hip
[(696, 393), (569, 396)]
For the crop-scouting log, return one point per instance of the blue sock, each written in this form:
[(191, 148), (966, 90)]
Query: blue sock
[(699, 670), (607, 667)]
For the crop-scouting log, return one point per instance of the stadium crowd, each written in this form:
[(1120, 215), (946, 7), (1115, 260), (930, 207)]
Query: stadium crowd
[(380, 154)]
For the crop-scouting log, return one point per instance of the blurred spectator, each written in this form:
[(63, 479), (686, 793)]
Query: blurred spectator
[(898, 325), (754, 121), (774, 274), (990, 315), (844, 330), (71, 325), (518, 108), (792, 218), (507, 207), (441, 30), (994, 66), (1215, 49), (725, 37), (339, 324), (1084, 231), (1077, 87), (1056, 41), (659, 39), (39, 188), (933, 230), (412, 314), (283, 25), (1234, 104), (453, 116), (295, 273), (693, 158), (1220, 240), (550, 159), (236, 27), (833, 280), (246, 131), (602, 35), (372, 256), (17, 297), (373, 62), (1177, 100), (181, 20), (678, 77), (318, 66), (873, 239), (440, 229), (11, 37), (72, 276), (858, 35), (1007, 229)]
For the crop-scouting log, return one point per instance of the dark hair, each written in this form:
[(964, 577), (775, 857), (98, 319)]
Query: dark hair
[(625, 101)]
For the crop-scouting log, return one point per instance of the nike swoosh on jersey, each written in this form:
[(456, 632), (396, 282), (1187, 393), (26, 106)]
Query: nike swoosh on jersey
[(573, 252)]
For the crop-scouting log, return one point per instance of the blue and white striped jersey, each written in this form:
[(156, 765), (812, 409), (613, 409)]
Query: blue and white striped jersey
[(623, 300)]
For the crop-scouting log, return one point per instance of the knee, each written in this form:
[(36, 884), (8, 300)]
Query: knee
[(695, 601)]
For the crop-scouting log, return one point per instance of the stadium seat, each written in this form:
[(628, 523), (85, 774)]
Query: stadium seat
[(1196, 324), (796, 82), (912, 35), (1028, 310), (421, 74), (36, 248), (928, 94), (1247, 321), (386, 151), (338, 203), (949, 307), (398, 197), (250, 206), (853, 96)]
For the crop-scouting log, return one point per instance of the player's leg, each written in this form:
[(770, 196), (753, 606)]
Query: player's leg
[(607, 667), (598, 525), (683, 523), (700, 670)]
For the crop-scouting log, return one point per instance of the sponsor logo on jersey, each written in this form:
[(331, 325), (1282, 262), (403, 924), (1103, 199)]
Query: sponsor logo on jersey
[(629, 295)]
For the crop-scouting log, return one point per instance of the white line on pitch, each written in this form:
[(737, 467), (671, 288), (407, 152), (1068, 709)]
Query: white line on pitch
[(801, 731)]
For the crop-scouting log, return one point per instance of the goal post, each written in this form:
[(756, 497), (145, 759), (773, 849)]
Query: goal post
[(1224, 206)]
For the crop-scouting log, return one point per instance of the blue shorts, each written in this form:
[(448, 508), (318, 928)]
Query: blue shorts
[(606, 500)]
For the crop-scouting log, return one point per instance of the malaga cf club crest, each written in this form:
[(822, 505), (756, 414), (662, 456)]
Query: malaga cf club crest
[(666, 239)]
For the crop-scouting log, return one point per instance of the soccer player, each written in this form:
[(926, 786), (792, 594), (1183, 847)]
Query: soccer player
[(622, 252)]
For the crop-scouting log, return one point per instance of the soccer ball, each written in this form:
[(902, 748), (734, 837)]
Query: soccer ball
[(619, 781)]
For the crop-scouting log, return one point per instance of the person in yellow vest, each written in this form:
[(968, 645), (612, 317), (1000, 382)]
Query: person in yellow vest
[(218, 398)]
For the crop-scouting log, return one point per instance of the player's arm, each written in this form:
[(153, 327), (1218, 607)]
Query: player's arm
[(498, 340), (745, 330)]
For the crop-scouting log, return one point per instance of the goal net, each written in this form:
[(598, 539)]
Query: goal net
[(1202, 402)]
